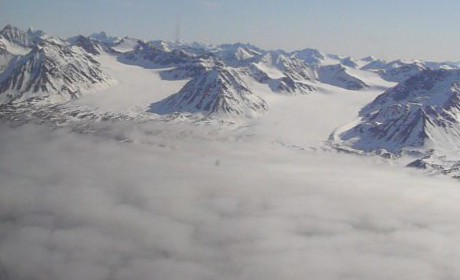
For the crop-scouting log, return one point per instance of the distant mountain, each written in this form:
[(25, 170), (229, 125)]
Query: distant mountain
[(399, 70), (339, 75), (238, 55), (125, 45), (374, 64), (283, 74), (152, 56), (421, 113), (350, 62), (311, 57), (105, 38), (89, 45)]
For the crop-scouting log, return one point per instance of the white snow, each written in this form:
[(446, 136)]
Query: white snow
[(308, 120), (271, 71), (371, 78), (135, 89), (14, 48), (126, 45)]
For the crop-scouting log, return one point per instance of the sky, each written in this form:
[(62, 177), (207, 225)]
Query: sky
[(425, 29)]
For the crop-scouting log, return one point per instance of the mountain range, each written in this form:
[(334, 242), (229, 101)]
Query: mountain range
[(416, 114), (38, 66)]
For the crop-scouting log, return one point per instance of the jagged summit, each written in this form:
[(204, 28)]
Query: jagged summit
[(369, 58), (87, 44), (52, 71), (16, 41), (311, 57), (104, 38), (22, 38), (152, 56), (283, 74), (238, 53)]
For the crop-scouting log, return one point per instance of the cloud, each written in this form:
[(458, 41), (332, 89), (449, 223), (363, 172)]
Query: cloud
[(89, 206)]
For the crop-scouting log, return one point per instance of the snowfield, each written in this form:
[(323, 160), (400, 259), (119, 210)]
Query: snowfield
[(137, 88), (159, 200)]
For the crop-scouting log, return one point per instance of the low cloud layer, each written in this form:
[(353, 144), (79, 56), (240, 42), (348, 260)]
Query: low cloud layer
[(195, 205)]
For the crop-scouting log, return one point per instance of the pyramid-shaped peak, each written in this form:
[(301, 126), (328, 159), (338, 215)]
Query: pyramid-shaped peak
[(10, 27)]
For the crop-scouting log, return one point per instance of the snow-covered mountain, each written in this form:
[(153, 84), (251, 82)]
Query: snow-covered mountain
[(421, 113), (16, 41), (312, 57), (373, 63), (339, 75), (220, 90), (222, 79), (53, 71), (400, 70), (124, 45), (87, 44), (152, 56), (104, 38), (238, 55), (283, 74)]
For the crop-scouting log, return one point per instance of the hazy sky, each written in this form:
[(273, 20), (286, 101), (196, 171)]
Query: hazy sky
[(424, 29)]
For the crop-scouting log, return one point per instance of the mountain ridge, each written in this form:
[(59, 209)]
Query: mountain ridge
[(300, 72)]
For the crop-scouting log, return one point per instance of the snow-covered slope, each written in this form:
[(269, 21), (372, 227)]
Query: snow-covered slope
[(238, 54), (50, 70), (153, 56), (313, 57), (125, 45), (5, 58), (16, 41), (421, 113), (374, 64), (87, 44), (104, 38), (283, 74), (338, 75), (400, 70)]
